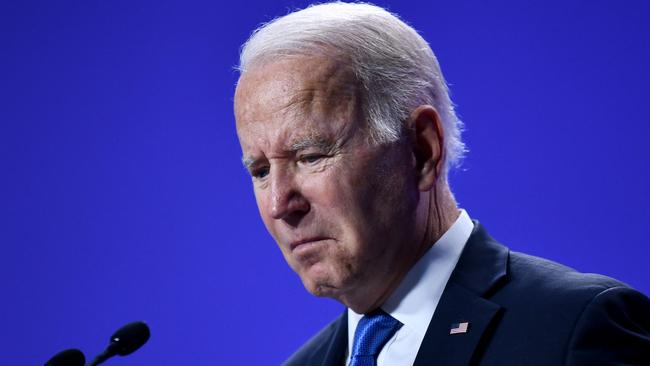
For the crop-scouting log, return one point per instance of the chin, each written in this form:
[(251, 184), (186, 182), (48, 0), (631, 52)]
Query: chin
[(325, 282), (320, 282), (336, 293)]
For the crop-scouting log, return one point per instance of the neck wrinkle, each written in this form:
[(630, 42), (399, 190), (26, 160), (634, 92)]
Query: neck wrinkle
[(442, 212)]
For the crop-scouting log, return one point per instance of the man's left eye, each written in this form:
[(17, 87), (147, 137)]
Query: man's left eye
[(311, 159)]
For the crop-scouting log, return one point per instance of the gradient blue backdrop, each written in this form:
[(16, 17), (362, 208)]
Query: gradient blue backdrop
[(122, 194)]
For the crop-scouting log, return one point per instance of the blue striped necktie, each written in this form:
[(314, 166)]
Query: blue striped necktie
[(373, 331)]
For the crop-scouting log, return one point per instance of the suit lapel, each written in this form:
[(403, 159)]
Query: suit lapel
[(459, 305), (333, 350), (480, 270)]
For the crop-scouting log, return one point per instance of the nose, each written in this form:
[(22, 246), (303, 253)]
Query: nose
[(287, 200)]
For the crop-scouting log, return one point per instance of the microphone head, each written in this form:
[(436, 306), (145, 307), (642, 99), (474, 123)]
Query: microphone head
[(69, 357), (129, 338)]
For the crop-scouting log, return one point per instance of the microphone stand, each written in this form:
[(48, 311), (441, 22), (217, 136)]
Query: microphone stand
[(109, 352)]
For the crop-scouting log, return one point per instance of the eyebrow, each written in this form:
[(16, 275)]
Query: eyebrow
[(303, 144), (248, 162), (311, 142)]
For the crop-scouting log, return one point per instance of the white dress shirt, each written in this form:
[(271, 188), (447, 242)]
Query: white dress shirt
[(416, 298)]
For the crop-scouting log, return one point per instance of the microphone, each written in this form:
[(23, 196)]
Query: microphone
[(69, 357), (124, 341)]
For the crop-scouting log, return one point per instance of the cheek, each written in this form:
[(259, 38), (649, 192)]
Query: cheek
[(332, 208), (333, 201), (351, 199), (366, 202)]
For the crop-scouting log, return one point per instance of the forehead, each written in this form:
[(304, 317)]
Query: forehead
[(292, 84), (288, 102), (302, 86)]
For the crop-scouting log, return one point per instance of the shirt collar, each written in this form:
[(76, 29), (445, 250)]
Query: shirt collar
[(416, 298)]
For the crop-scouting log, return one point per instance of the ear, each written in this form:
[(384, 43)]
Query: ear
[(428, 142)]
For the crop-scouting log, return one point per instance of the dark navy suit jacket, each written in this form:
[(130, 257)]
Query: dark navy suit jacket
[(522, 310)]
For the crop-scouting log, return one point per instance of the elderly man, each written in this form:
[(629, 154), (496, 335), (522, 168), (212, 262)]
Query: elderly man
[(348, 132)]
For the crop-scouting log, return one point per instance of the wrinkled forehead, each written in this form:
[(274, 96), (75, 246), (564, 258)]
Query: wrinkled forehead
[(300, 85)]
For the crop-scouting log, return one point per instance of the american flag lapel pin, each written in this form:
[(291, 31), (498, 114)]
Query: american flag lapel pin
[(459, 328)]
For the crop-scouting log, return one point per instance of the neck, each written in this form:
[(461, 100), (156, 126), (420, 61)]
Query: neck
[(437, 212), (442, 212)]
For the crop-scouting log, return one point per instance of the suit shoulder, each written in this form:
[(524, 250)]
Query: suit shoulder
[(566, 317), (613, 329), (550, 278), (535, 285), (305, 354)]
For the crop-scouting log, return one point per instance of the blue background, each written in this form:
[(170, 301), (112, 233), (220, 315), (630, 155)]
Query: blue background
[(122, 195)]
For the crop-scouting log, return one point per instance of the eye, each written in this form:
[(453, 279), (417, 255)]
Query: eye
[(311, 158), (260, 173)]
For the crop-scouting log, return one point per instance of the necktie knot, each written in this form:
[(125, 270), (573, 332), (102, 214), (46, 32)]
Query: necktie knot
[(373, 331)]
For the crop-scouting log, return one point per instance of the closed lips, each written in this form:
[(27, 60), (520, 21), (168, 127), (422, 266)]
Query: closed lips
[(297, 243)]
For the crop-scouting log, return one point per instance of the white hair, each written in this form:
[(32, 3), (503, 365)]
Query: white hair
[(394, 65)]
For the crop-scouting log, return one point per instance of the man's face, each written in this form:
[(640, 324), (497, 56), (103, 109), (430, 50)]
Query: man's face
[(341, 209)]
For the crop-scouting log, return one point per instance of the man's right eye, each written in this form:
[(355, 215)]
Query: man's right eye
[(260, 173)]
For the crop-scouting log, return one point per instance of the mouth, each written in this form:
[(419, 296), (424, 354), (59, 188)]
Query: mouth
[(303, 244)]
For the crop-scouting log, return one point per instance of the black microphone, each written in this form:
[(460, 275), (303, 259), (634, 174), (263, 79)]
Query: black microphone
[(69, 357), (124, 341)]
